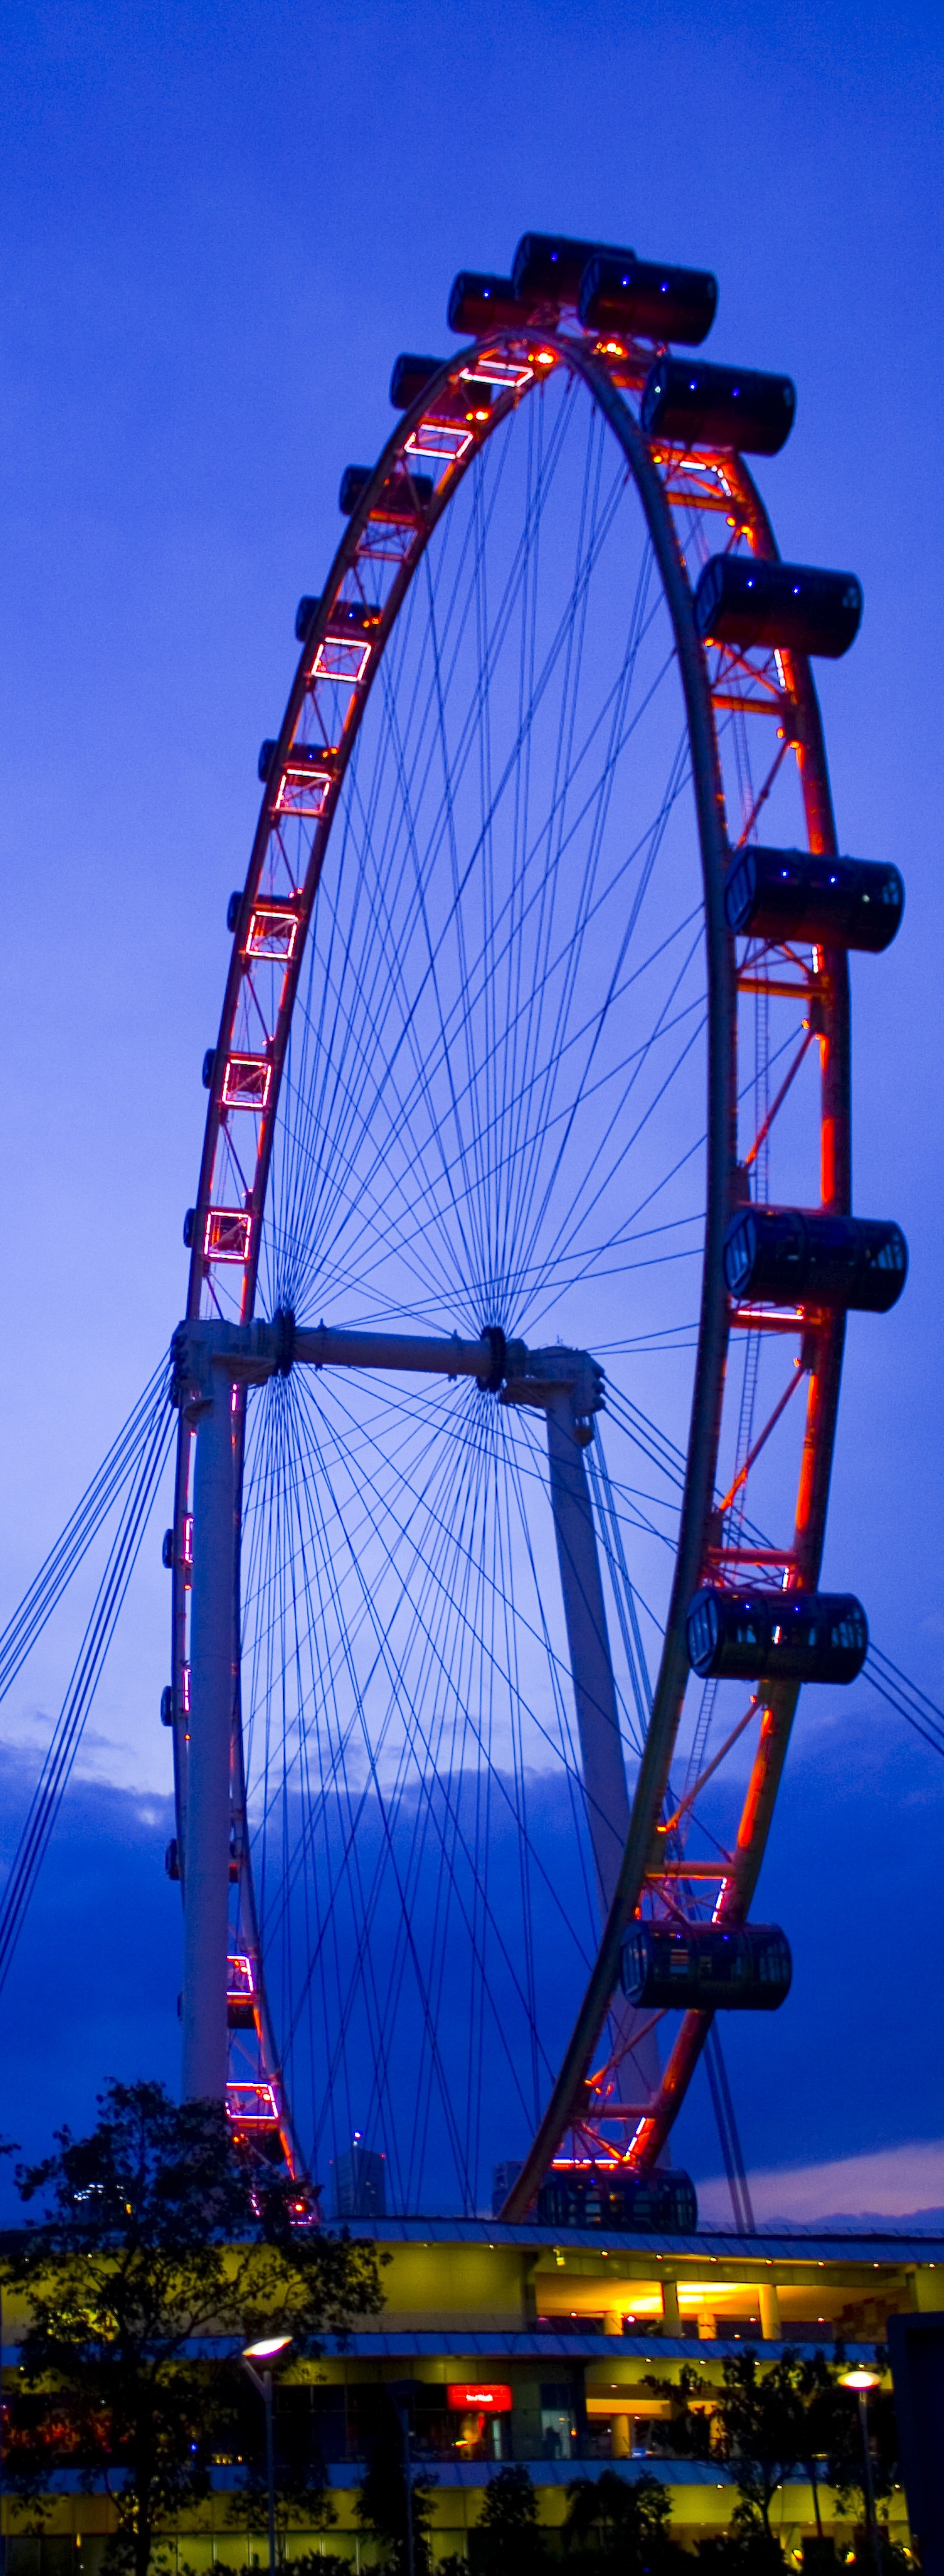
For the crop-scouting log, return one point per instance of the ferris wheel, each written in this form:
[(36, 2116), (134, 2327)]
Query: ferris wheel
[(520, 1261)]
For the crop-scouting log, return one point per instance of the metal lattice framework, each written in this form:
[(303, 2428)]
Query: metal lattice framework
[(761, 1072)]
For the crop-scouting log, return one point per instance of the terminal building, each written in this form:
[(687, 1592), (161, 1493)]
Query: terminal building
[(502, 2345)]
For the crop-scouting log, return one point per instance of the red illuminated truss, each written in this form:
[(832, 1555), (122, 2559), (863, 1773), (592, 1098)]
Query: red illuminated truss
[(694, 503), (247, 1082), (227, 1235)]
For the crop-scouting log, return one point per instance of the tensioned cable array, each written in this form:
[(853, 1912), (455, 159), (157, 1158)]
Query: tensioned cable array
[(905, 1698), (134, 1465), (47, 1587)]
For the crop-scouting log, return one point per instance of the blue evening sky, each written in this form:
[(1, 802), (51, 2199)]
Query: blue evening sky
[(220, 223)]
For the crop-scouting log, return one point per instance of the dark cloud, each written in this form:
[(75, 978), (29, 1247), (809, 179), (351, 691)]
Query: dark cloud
[(845, 2067)]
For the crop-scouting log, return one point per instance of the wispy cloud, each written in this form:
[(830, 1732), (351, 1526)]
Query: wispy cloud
[(891, 2182)]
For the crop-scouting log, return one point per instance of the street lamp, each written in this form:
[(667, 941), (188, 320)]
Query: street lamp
[(863, 2381), (400, 2392), (269, 2350)]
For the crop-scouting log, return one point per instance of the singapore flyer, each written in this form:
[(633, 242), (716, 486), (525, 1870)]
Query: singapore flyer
[(521, 1256)]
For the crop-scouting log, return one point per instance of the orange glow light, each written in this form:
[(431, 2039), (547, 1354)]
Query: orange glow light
[(272, 933), (240, 1977), (227, 1234), (302, 791), (341, 657), (489, 370), (252, 2106), (247, 1081), (439, 438)]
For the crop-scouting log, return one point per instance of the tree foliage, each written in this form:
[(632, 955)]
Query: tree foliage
[(745, 2549), (686, 2433), (155, 2241), (508, 2534), (795, 2414), (381, 2506), (620, 2527), (760, 2428)]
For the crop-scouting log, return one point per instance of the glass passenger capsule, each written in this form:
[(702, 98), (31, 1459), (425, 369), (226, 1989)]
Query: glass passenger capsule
[(706, 1967), (789, 894), (548, 267), (410, 378), (813, 1256), (694, 404), (479, 302), (762, 1635), (662, 2203), (648, 301), (799, 608), (400, 499)]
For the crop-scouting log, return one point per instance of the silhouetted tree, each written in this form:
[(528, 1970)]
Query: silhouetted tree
[(381, 2506), (155, 2237), (825, 2407), (846, 2464), (760, 2430), (745, 2549), (620, 2527), (685, 2434), (507, 2539)]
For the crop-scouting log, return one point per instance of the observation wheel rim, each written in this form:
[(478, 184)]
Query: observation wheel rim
[(708, 1374)]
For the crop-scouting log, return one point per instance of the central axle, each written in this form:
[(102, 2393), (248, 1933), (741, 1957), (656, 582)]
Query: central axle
[(247, 1354)]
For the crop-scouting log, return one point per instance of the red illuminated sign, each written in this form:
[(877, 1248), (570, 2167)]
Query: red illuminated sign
[(479, 2397)]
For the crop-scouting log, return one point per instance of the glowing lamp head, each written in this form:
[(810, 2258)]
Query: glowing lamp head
[(545, 357), (860, 2380), (268, 2349)]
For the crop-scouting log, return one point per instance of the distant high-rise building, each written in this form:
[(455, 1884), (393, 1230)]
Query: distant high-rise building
[(360, 2183), (502, 2178)]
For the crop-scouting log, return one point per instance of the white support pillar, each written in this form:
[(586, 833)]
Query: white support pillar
[(770, 2326), (601, 1748), (671, 2314), (212, 1662)]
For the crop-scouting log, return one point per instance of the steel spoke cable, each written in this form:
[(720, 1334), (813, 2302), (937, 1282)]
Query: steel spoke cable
[(442, 1533), (60, 1757), (622, 1151), (82, 1527), (902, 1695), (386, 1230), (372, 1999), (395, 1870), (584, 908), (624, 1594), (690, 1150)]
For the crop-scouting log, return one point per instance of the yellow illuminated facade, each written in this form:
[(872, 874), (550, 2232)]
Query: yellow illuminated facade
[(576, 2331)]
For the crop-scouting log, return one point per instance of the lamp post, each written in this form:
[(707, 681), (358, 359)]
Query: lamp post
[(269, 2350), (862, 2382), (399, 2392)]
